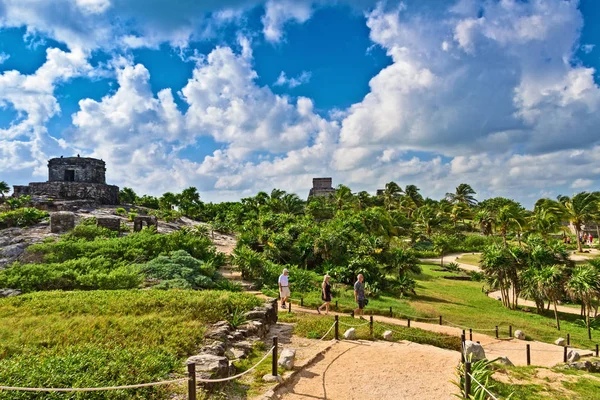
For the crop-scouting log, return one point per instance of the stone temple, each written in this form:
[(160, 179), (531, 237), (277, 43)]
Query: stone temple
[(321, 187), (73, 178)]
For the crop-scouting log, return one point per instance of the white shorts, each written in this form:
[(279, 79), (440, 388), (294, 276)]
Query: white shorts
[(284, 292)]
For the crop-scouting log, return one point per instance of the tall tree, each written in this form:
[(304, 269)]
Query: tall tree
[(391, 195), (509, 217), (464, 193), (547, 217), (127, 196), (583, 286), (580, 209), (485, 219), (343, 195), (4, 188)]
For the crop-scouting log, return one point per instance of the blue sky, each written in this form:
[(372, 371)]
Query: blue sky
[(240, 96)]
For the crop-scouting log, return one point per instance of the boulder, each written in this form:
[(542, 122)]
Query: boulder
[(216, 348), (236, 352), (560, 342), (13, 250), (210, 366), (257, 314), (583, 366), (272, 311), (350, 334), (387, 335), (286, 359), (9, 292), (218, 331), (245, 345), (498, 298), (519, 334), (474, 351), (260, 328), (505, 361), (268, 378), (573, 356)]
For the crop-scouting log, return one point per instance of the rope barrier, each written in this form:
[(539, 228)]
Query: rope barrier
[(141, 385), (408, 334), (483, 387), (230, 378), (354, 326), (475, 329), (312, 344)]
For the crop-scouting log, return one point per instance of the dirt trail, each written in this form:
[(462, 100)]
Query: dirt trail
[(377, 370), (452, 258), (542, 354), (529, 303)]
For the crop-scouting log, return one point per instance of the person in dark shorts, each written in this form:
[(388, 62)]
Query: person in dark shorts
[(359, 294), (325, 295)]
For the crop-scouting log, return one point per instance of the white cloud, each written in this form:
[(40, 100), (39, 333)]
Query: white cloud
[(4, 57), (582, 183), (283, 80), (280, 12)]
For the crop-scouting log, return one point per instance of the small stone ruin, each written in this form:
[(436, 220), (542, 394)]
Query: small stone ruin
[(321, 187), (112, 223), (144, 220), (61, 222)]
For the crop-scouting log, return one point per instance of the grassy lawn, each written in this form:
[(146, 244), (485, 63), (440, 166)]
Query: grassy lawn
[(471, 259), (535, 383), (105, 338)]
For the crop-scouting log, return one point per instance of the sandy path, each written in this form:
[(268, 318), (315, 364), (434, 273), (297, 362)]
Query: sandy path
[(542, 354), (452, 258), (377, 370), (529, 303)]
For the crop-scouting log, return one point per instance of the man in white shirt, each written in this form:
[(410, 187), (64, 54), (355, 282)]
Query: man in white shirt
[(284, 288)]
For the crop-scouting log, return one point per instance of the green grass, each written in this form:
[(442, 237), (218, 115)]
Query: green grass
[(105, 338), (471, 259), (555, 384)]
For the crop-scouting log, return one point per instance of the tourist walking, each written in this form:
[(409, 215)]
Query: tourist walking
[(359, 294), (284, 287), (325, 295), (591, 239)]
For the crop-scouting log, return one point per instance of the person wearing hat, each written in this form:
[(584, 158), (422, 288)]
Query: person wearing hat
[(284, 287)]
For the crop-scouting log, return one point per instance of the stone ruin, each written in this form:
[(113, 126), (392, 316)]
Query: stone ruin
[(140, 221), (321, 187), (112, 223), (73, 178), (61, 222)]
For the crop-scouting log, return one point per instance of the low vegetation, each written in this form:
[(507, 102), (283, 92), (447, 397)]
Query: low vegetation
[(106, 338)]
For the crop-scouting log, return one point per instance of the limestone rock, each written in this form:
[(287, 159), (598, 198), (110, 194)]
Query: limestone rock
[(268, 378), (218, 331), (519, 334), (237, 352), (14, 250), (62, 222), (573, 356), (258, 314), (9, 292), (286, 359), (583, 366), (216, 348), (560, 342), (272, 311), (505, 361), (474, 351), (350, 334), (387, 335), (211, 366)]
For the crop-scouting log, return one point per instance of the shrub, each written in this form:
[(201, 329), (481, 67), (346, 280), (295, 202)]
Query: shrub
[(21, 217), (182, 267), (452, 267), (131, 216), (90, 232), (121, 211)]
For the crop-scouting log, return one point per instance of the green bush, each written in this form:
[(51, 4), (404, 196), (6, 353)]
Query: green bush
[(21, 217), (121, 211), (90, 232), (180, 267)]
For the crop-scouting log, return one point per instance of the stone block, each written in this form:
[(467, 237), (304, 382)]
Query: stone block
[(112, 223), (573, 356), (286, 359), (140, 221), (62, 222), (474, 351), (350, 334), (560, 342), (519, 334), (210, 366), (387, 335)]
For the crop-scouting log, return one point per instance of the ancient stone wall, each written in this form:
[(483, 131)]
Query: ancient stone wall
[(76, 169), (321, 187), (99, 192), (144, 220), (112, 223)]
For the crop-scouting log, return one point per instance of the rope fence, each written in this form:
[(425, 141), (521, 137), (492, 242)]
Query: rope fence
[(96, 389)]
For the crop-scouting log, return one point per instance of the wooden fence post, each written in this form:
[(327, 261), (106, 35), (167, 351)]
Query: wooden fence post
[(336, 305), (467, 380), (510, 331), (596, 350), (565, 354), (290, 306), (470, 334), (496, 331), (528, 355), (408, 322), (301, 301), (440, 320), (274, 363), (337, 329), (371, 326), (568, 339), (391, 314), (191, 367)]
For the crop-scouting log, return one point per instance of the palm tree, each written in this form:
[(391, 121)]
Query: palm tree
[(496, 264), (127, 196), (579, 209), (391, 195), (292, 204), (583, 286), (429, 218), (509, 217), (343, 195), (459, 212), (4, 188), (550, 281), (403, 261), (485, 219), (463, 194), (547, 217), (412, 192)]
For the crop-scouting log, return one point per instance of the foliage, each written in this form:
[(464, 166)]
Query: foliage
[(121, 211), (99, 338), (21, 217), (92, 258), (482, 372)]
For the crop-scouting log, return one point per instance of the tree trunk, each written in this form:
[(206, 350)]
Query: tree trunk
[(556, 316), (587, 321), (504, 238), (577, 231), (442, 259)]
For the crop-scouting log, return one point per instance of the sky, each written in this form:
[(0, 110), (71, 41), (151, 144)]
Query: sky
[(240, 96)]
